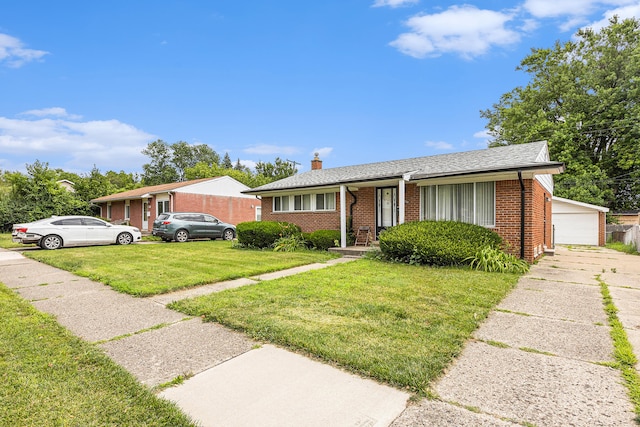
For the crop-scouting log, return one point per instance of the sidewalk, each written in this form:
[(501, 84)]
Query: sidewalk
[(535, 361), (236, 381)]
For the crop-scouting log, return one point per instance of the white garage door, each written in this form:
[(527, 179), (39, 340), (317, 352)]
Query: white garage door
[(576, 228)]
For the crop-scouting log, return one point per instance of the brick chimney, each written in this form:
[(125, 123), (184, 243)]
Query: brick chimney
[(316, 163)]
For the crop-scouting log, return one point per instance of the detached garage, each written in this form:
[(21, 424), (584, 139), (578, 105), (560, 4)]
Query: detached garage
[(577, 223)]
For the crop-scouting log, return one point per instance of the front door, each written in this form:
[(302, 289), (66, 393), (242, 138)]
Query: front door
[(145, 215), (387, 208)]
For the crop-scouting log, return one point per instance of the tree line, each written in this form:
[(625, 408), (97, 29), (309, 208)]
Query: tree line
[(37, 194), (583, 98)]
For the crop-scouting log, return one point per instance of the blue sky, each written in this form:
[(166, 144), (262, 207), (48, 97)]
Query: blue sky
[(86, 83)]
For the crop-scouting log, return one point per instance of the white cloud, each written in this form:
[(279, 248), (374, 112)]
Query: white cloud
[(464, 30), (322, 152), (271, 149), (577, 12), (14, 54), (394, 3), (51, 112), (439, 145), (109, 144), (630, 11), (248, 163)]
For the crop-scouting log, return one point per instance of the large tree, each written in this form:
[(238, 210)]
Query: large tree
[(583, 99), (278, 170), (170, 161)]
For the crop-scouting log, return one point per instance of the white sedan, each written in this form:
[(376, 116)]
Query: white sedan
[(62, 231)]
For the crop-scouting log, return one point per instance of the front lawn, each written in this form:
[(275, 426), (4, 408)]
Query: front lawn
[(397, 323), (149, 269), (48, 377)]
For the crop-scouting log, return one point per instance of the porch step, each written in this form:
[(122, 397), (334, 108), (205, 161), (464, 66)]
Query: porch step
[(353, 251)]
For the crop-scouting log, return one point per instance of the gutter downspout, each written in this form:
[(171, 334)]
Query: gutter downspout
[(522, 222), (355, 200)]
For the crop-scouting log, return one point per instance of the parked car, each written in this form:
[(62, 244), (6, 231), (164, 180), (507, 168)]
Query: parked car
[(73, 230), (182, 226)]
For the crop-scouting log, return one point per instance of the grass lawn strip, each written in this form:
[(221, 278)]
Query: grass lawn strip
[(626, 360), (145, 270), (396, 323), (50, 377)]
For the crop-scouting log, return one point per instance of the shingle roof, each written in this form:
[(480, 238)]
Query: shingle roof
[(510, 157), (152, 189)]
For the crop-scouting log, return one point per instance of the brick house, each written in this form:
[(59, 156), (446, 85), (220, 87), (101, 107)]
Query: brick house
[(508, 189), (221, 196)]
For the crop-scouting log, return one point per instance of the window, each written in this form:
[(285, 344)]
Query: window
[(127, 210), (302, 203), (473, 203), (108, 210), (163, 206), (326, 202), (281, 204), (305, 202)]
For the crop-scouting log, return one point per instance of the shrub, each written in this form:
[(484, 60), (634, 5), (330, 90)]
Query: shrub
[(436, 242), (291, 243), (324, 239), (263, 234), (496, 261)]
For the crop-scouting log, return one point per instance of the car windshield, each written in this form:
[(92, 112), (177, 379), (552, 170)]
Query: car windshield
[(162, 217)]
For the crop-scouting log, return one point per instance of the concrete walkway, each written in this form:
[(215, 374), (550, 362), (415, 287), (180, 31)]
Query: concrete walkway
[(234, 381), (533, 362)]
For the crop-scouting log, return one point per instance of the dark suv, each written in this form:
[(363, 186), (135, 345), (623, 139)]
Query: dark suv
[(182, 226)]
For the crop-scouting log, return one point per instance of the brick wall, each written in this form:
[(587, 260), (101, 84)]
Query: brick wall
[(538, 222), (233, 210), (537, 214)]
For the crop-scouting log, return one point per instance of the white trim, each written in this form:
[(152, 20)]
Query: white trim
[(584, 205), (343, 216), (401, 201)]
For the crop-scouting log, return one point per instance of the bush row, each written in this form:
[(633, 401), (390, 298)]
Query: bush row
[(439, 243), (265, 234)]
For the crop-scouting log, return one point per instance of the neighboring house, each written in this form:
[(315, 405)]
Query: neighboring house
[(221, 197), (67, 185), (577, 223), (507, 189), (628, 218)]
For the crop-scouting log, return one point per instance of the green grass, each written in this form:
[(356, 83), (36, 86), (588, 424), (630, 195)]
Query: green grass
[(396, 323), (623, 351), (49, 377), (621, 247), (6, 243), (144, 270)]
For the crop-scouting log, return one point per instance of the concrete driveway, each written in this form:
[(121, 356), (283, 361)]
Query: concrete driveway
[(538, 358)]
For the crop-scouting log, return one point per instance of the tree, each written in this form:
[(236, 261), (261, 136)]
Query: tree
[(38, 195), (169, 162), (583, 99), (240, 167), (226, 162), (278, 170), (160, 170)]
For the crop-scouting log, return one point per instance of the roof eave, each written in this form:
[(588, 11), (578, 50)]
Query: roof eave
[(551, 168), (257, 191), (545, 168)]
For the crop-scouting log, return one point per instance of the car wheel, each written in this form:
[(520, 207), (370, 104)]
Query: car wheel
[(228, 234), (51, 242), (181, 236), (124, 239)]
